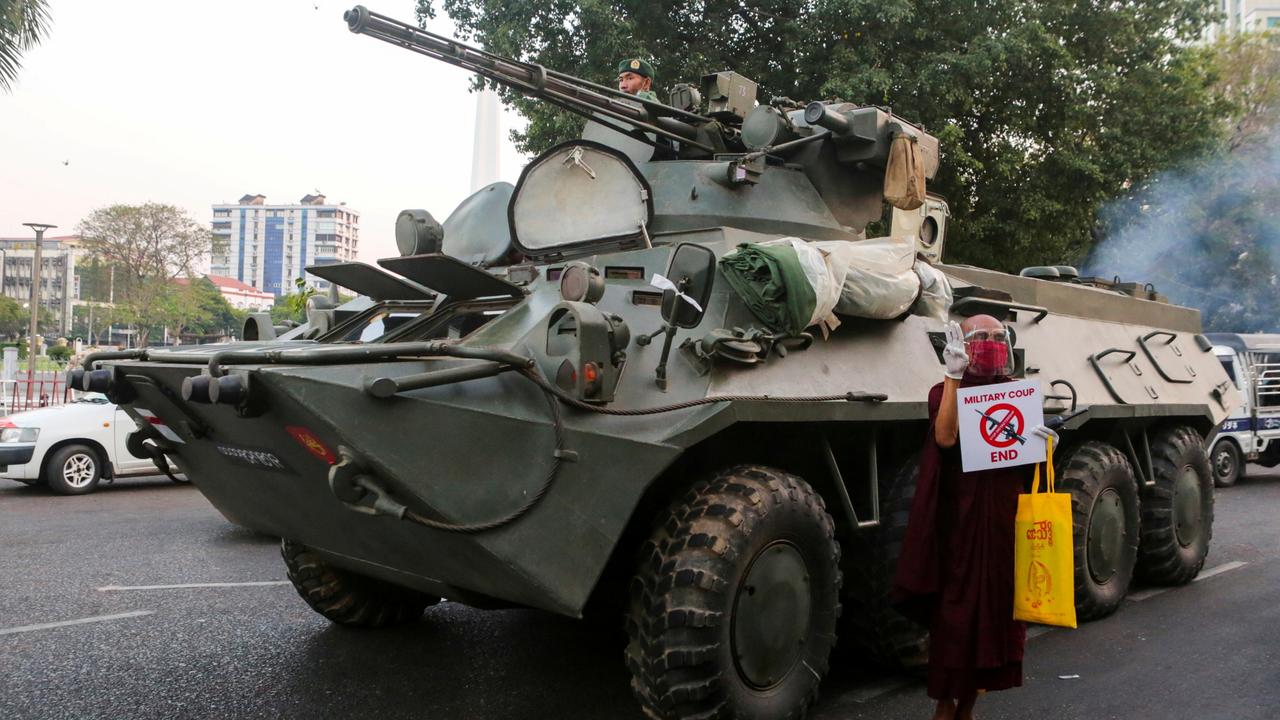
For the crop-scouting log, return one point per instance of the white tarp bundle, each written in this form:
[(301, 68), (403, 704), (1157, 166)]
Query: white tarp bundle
[(935, 293), (825, 281), (878, 279)]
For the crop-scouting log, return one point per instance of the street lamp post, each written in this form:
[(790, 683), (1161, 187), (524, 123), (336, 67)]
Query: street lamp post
[(36, 277)]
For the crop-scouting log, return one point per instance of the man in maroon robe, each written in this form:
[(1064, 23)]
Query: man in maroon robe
[(955, 574)]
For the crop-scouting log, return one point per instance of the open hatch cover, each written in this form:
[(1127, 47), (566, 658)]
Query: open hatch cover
[(451, 277), (579, 195), (368, 280)]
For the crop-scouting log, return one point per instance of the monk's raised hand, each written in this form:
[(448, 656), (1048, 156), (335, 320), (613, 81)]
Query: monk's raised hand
[(953, 354)]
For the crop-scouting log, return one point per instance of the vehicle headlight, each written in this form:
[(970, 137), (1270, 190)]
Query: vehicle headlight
[(19, 434)]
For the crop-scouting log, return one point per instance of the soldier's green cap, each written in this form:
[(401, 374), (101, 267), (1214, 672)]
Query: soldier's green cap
[(637, 66)]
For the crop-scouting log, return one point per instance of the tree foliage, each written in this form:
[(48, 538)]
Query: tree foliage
[(1218, 217), (1248, 72), (23, 24), (292, 307), (1045, 109), (195, 307), (149, 246), (14, 319)]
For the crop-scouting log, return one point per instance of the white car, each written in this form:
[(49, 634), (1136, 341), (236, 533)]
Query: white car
[(70, 447)]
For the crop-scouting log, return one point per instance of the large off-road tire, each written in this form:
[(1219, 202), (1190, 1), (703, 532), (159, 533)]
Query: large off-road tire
[(869, 622), (1105, 520), (1227, 463), (348, 598), (1177, 513), (734, 604), (73, 470)]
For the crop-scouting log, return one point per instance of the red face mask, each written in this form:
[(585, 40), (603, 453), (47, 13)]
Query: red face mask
[(988, 357)]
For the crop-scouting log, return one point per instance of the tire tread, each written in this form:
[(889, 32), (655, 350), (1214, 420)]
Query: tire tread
[(347, 598), (683, 573)]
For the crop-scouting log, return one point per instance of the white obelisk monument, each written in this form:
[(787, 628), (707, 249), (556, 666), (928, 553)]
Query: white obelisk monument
[(484, 150)]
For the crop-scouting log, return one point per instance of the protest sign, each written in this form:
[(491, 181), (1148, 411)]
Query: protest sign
[(996, 423)]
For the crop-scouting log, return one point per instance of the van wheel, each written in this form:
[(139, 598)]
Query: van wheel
[(734, 604), (73, 470), (348, 598), (870, 621), (1177, 514), (1228, 466), (1104, 516)]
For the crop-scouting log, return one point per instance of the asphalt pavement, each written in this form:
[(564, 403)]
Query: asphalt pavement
[(141, 601)]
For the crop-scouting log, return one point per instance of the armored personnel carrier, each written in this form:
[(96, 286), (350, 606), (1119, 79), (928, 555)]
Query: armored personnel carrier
[(570, 397)]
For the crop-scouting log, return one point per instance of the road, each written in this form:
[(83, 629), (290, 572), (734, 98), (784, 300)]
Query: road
[(225, 650)]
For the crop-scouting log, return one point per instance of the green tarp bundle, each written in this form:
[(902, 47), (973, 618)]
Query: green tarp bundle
[(772, 283)]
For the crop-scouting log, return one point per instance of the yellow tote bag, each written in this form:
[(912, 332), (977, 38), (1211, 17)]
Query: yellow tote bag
[(1044, 571)]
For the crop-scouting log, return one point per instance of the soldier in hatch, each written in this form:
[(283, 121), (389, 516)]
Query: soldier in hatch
[(635, 77)]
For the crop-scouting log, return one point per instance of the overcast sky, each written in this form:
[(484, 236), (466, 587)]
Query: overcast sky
[(195, 102)]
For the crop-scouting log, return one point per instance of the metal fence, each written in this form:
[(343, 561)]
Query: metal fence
[(46, 390)]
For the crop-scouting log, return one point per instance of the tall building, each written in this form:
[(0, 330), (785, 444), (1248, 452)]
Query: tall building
[(1244, 16), (267, 246), (58, 287)]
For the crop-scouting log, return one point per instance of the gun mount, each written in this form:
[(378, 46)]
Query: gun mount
[(842, 148)]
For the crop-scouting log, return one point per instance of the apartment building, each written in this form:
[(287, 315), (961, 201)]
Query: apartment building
[(58, 283), (266, 245)]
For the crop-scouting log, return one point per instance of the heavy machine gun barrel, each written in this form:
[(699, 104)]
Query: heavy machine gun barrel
[(574, 94)]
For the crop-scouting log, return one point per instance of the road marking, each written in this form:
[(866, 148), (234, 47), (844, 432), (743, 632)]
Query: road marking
[(81, 621), (1204, 575), (264, 583), (1225, 567)]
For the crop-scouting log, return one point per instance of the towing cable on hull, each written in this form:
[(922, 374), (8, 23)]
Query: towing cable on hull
[(351, 481)]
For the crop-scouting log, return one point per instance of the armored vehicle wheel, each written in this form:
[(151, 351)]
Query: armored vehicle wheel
[(734, 604), (1228, 465), (869, 621), (348, 598), (1177, 514), (73, 470), (1104, 513)]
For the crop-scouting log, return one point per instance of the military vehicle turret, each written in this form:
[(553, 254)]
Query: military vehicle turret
[(574, 395)]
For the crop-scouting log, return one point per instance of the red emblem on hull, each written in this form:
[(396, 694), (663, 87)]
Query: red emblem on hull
[(308, 440)]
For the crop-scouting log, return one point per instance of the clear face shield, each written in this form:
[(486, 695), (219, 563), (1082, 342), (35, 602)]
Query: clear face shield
[(990, 352)]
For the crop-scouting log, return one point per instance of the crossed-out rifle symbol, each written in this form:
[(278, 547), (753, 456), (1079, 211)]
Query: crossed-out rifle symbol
[(1004, 427)]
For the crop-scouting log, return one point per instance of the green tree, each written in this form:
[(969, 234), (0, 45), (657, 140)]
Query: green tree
[(282, 311), (59, 353), (193, 309), (91, 324), (23, 24), (149, 245), (97, 279), (13, 317), (292, 307), (1218, 217), (1248, 73), (210, 314), (1045, 110)]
